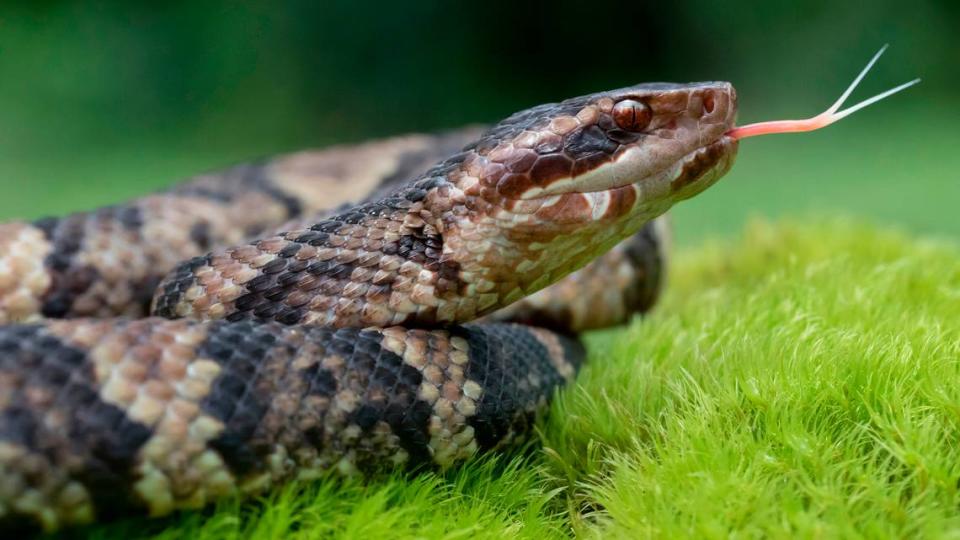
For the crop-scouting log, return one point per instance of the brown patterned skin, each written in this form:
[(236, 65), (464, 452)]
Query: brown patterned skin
[(311, 369), (538, 196), (107, 262), (105, 417), (626, 280)]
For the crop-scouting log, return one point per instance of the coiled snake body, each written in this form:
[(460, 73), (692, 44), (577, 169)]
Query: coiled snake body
[(333, 339)]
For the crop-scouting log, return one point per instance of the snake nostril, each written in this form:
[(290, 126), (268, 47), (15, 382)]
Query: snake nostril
[(708, 103)]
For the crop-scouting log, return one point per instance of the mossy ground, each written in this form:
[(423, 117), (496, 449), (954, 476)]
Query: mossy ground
[(800, 380)]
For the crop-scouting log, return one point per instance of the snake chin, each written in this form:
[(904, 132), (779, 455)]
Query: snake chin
[(701, 168), (654, 194)]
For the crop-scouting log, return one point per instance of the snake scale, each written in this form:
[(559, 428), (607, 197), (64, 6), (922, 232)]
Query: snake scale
[(406, 302)]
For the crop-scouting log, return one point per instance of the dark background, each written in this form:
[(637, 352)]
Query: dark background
[(101, 101)]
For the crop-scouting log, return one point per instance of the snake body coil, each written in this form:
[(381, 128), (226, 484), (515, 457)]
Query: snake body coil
[(332, 340)]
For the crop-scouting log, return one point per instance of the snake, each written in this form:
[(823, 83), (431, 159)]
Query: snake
[(408, 303)]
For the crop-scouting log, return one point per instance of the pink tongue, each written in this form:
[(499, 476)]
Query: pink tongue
[(823, 119)]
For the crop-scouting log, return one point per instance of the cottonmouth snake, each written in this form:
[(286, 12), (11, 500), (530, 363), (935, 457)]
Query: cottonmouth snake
[(333, 338)]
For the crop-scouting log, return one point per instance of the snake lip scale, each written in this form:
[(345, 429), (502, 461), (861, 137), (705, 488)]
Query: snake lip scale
[(407, 302)]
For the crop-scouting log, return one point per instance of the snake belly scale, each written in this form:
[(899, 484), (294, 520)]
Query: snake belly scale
[(308, 312)]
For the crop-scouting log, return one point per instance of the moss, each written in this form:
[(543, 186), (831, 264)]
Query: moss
[(799, 382)]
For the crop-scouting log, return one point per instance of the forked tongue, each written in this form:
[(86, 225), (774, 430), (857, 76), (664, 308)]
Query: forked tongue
[(823, 119)]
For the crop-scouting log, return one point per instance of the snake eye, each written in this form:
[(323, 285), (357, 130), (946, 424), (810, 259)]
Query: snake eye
[(631, 115)]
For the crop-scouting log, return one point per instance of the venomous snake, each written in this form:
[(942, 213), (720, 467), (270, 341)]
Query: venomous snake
[(331, 335)]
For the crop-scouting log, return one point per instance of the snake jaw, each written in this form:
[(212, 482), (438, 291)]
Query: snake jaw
[(703, 167)]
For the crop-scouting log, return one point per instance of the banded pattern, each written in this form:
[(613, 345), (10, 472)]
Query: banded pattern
[(107, 262), (103, 418)]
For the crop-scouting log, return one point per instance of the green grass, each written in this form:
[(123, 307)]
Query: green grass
[(800, 380), (489, 498)]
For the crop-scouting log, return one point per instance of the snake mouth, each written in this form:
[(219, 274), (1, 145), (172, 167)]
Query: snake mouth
[(633, 168), (648, 194), (690, 174), (702, 167)]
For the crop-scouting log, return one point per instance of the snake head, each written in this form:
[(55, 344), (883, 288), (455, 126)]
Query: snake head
[(550, 188), (634, 150)]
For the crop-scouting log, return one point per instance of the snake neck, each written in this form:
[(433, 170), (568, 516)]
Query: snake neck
[(438, 251)]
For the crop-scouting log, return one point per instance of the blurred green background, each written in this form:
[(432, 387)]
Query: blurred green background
[(102, 101)]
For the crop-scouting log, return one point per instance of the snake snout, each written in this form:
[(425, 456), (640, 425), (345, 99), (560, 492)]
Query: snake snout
[(719, 105), (710, 106)]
